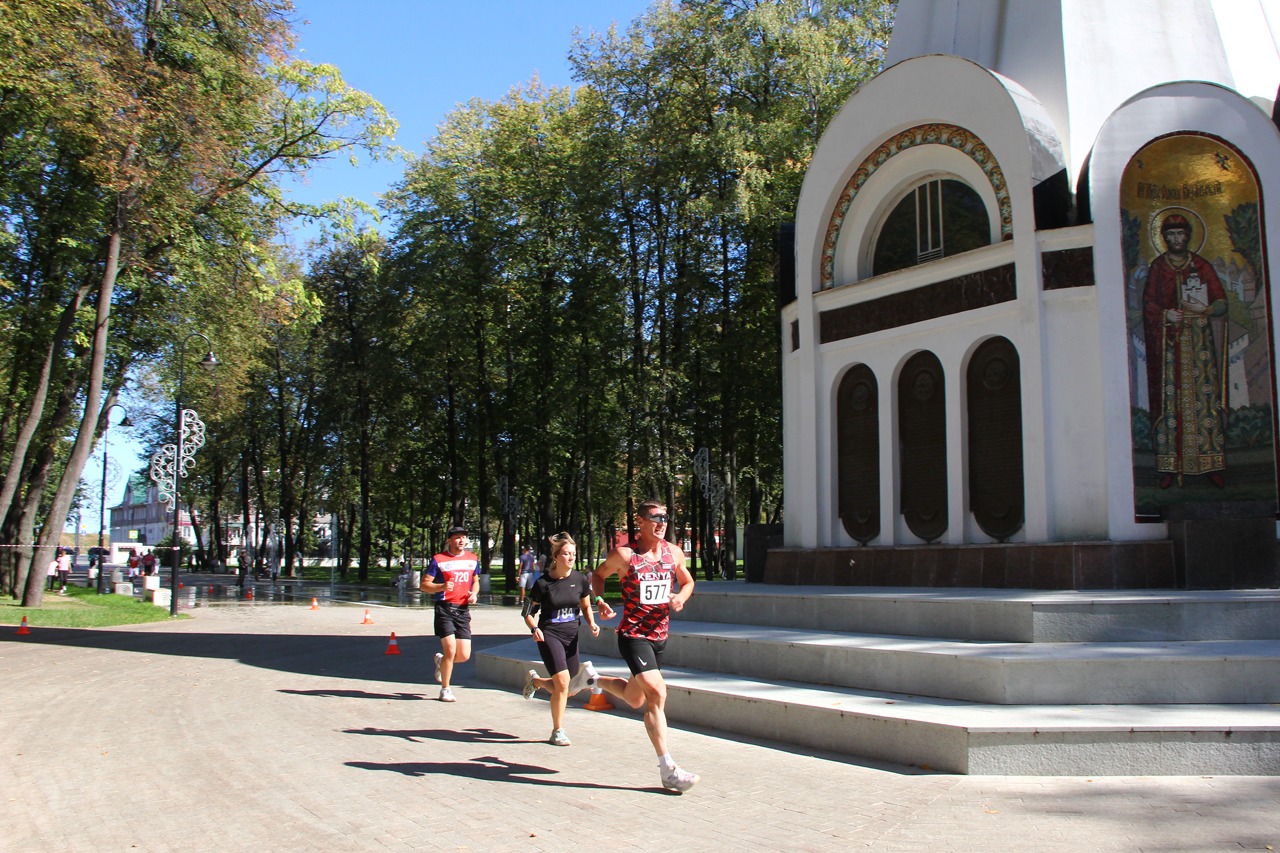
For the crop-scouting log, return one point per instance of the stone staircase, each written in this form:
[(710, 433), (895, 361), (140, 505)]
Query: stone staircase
[(975, 681)]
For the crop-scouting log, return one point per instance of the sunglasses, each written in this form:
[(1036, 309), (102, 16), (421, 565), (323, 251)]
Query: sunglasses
[(658, 518)]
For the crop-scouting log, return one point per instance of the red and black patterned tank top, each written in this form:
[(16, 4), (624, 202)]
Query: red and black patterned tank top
[(646, 595)]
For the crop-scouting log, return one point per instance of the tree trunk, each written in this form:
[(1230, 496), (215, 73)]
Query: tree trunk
[(40, 392), (202, 558), (51, 534)]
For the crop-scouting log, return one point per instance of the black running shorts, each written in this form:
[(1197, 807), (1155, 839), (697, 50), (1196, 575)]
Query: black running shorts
[(641, 655), (453, 619)]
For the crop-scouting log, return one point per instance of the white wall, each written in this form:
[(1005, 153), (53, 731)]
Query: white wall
[(941, 90)]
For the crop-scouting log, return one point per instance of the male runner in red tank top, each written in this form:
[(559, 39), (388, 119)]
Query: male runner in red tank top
[(648, 569)]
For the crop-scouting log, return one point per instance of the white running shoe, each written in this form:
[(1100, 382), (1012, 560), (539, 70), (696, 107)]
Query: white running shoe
[(446, 695), (676, 779), (559, 738), (529, 687), (439, 660), (585, 677)]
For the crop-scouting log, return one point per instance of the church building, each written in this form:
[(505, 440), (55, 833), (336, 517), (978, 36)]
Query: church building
[(1032, 342)]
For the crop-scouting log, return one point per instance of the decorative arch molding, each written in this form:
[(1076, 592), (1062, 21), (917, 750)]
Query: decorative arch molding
[(949, 135)]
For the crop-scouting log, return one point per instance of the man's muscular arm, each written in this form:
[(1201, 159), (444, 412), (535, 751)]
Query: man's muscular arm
[(616, 563), (684, 578)]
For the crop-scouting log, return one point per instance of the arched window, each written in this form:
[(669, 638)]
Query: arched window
[(938, 218)]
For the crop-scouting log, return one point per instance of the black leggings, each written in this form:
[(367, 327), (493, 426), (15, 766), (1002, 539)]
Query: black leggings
[(559, 650)]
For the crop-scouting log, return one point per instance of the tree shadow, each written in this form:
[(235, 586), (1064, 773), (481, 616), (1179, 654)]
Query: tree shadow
[(355, 658), (490, 768)]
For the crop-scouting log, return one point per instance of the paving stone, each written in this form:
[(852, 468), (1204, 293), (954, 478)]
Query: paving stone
[(260, 727)]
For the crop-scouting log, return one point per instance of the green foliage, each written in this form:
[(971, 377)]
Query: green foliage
[(144, 145), (1249, 426), (1142, 431), (164, 552), (1130, 239), (584, 279), (1246, 234), (575, 293)]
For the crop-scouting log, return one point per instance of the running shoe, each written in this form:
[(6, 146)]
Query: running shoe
[(559, 738), (446, 695), (439, 660), (583, 678), (676, 779), (529, 687)]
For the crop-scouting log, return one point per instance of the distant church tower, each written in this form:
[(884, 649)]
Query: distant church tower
[(1020, 352)]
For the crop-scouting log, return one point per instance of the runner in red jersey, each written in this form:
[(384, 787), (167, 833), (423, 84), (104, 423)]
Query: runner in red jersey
[(649, 570), (451, 578)]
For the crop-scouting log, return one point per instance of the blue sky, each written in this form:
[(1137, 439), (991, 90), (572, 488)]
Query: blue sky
[(419, 58)]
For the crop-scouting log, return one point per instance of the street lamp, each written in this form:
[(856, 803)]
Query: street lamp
[(102, 505), (170, 465)]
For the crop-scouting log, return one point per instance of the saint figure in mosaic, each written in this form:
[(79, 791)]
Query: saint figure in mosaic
[(1184, 310)]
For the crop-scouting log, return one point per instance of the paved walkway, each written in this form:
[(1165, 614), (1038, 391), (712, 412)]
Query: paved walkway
[(273, 727)]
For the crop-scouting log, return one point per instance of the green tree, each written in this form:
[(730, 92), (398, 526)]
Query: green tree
[(162, 130)]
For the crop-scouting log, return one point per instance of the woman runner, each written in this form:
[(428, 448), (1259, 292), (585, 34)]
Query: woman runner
[(558, 600)]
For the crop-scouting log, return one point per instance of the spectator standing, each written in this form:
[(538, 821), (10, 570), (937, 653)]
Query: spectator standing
[(64, 569), (527, 563)]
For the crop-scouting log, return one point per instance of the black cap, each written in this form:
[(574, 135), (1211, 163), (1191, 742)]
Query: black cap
[(455, 530)]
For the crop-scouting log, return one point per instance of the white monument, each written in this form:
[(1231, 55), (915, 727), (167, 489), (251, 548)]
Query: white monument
[(983, 241)]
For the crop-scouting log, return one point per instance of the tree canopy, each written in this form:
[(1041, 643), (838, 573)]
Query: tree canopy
[(570, 305)]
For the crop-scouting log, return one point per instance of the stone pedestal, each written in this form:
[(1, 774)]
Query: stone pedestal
[(760, 538), (151, 582), (1224, 545), (159, 597), (122, 589)]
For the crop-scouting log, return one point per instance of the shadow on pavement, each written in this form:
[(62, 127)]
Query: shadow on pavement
[(353, 694), (463, 736), (356, 658), (490, 768)]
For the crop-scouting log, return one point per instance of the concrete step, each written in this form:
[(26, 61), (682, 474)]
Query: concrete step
[(1019, 616), (1211, 671), (953, 736)]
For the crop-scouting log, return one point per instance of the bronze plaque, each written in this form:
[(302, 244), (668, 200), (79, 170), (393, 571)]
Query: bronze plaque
[(995, 439), (858, 453), (922, 441)]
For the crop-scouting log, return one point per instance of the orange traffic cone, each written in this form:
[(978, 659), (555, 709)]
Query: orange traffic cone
[(249, 594), (367, 620), (598, 701), (393, 648), (23, 629), (314, 605)]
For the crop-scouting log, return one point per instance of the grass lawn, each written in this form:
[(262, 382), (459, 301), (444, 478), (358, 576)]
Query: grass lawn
[(82, 608)]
